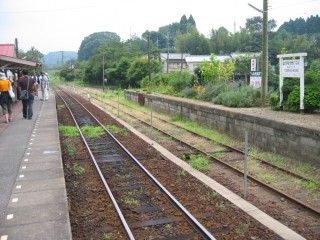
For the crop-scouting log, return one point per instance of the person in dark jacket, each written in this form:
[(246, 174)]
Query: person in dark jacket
[(27, 104)]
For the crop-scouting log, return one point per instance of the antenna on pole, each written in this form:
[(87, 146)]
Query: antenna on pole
[(255, 8), (130, 38)]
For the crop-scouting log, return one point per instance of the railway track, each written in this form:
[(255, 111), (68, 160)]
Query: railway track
[(283, 195), (297, 218), (226, 155), (145, 208)]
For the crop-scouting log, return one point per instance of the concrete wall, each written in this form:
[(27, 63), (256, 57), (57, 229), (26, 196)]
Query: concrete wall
[(296, 142)]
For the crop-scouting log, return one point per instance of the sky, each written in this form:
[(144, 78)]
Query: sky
[(61, 25)]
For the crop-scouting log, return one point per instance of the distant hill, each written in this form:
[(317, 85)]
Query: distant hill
[(55, 58)]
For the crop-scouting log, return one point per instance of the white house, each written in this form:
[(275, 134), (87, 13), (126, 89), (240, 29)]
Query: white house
[(173, 62), (194, 60)]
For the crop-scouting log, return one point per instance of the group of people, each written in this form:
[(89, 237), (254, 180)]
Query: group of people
[(25, 82)]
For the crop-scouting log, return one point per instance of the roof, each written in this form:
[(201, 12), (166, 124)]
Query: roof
[(198, 58), (202, 58), (174, 55), (248, 54), (223, 58), (8, 50), (11, 63)]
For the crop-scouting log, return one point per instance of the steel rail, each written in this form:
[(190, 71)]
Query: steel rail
[(297, 201), (189, 216), (222, 144), (115, 204)]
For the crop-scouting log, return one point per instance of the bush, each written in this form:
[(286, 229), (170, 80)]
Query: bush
[(275, 101), (311, 99), (232, 99), (288, 86), (213, 90), (157, 79), (189, 92), (179, 81), (239, 96)]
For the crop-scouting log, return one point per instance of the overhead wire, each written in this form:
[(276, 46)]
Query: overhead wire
[(49, 10)]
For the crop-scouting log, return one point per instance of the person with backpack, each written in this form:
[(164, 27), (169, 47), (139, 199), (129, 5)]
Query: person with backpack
[(5, 98), (27, 84)]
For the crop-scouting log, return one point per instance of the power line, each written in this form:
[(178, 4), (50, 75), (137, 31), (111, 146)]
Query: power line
[(49, 10)]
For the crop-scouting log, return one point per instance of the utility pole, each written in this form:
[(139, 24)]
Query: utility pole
[(103, 73), (168, 53), (17, 47), (62, 58), (149, 66), (264, 87), (181, 61), (264, 80)]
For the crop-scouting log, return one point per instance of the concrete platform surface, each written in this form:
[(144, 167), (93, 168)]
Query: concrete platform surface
[(33, 200)]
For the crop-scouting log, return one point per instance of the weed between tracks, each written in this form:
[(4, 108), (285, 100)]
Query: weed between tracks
[(116, 130), (77, 169)]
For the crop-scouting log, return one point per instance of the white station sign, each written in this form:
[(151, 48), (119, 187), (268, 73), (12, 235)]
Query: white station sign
[(291, 68)]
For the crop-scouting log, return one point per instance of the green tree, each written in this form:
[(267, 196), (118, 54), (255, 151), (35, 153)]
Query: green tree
[(214, 71), (112, 52), (255, 26), (90, 43), (221, 41), (242, 67), (299, 26), (118, 75), (192, 42), (244, 38), (70, 74), (139, 69), (191, 21), (183, 24), (312, 24), (300, 43), (169, 31), (157, 39), (32, 55)]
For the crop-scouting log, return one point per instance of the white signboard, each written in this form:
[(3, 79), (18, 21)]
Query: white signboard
[(291, 68), (255, 79), (253, 64)]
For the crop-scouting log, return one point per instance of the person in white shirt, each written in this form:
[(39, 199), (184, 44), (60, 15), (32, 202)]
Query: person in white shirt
[(48, 80), (44, 86)]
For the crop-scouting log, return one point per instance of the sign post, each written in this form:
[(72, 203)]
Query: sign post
[(255, 76), (255, 79), (292, 67)]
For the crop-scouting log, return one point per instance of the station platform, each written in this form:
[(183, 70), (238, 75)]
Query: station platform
[(33, 199)]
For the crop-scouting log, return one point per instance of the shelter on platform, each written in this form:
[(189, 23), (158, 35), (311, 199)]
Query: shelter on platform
[(9, 60), (11, 65)]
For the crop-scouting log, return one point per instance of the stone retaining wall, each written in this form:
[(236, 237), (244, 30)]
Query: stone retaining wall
[(269, 135)]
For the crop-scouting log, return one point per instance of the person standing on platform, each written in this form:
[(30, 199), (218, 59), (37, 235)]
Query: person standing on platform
[(44, 86), (48, 81), (5, 98), (29, 84), (36, 78)]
